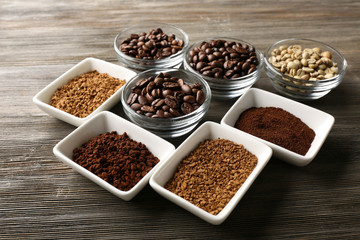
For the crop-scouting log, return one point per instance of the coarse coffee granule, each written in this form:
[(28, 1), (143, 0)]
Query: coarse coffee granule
[(118, 159), (212, 173), (277, 126), (85, 93)]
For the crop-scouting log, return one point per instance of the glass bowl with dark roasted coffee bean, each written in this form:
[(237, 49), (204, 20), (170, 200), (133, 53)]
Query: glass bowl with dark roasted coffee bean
[(304, 69), (230, 66), (167, 102), (151, 45)]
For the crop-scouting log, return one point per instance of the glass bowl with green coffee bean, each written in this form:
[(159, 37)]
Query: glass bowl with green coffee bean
[(167, 102), (151, 45), (304, 69)]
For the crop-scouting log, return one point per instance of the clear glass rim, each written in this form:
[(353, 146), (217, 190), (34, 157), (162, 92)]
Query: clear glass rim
[(148, 61), (192, 46)]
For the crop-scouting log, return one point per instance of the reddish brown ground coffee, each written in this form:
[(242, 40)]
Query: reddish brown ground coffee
[(277, 126), (117, 159)]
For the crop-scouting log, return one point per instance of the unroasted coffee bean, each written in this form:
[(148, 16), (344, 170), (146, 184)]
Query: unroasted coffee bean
[(165, 96), (223, 59), (152, 45)]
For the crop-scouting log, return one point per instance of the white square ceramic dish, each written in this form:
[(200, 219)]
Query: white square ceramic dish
[(42, 99), (319, 121), (209, 130), (108, 122)]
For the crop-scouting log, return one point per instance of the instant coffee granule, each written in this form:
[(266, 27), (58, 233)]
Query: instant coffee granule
[(277, 126), (85, 93), (212, 173), (118, 159)]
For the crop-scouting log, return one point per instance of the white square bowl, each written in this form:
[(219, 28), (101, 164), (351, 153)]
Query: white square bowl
[(42, 99), (108, 122), (209, 130), (317, 120)]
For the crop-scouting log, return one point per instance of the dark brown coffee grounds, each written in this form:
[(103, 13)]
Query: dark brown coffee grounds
[(117, 159), (212, 173), (277, 126)]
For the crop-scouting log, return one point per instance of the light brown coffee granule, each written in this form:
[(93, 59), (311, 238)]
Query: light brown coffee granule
[(212, 173), (85, 93)]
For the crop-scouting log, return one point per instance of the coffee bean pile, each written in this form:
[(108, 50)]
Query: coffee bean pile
[(164, 96), (152, 45), (223, 59)]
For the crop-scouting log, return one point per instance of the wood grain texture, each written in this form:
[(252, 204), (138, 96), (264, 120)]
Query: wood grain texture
[(41, 198)]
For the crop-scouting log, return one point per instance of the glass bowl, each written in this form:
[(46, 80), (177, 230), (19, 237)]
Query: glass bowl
[(172, 126), (222, 88), (302, 89), (172, 61)]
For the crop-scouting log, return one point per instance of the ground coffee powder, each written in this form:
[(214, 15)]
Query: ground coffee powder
[(85, 93), (117, 159), (277, 126), (212, 173)]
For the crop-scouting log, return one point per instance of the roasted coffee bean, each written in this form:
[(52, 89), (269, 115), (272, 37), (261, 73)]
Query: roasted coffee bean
[(149, 114), (152, 45), (251, 70), (142, 100), (200, 65), (171, 101), (208, 73), (174, 112), (149, 98), (230, 56), (159, 81), (158, 103), (150, 86), (216, 64), (246, 66), (180, 82), (143, 82), (170, 85), (132, 98), (165, 107), (167, 92), (186, 88), (136, 106), (165, 96), (189, 99), (155, 93), (147, 108), (200, 97), (160, 113), (186, 108)]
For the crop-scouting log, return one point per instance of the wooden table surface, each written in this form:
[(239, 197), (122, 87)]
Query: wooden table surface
[(41, 198)]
